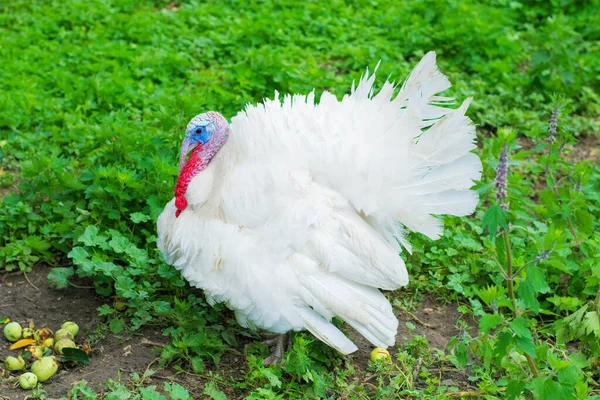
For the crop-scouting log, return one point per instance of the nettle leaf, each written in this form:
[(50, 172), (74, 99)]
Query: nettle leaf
[(274, 380), (502, 344), (546, 389), (520, 326), (536, 276), (514, 388), (58, 277), (525, 344), (494, 217), (491, 293), (197, 364), (528, 296), (489, 321), (568, 376), (591, 323)]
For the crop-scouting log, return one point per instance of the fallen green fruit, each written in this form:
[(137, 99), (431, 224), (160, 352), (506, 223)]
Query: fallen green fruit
[(27, 333), (14, 363), (62, 334), (28, 380), (64, 343), (44, 368), (119, 305), (36, 351), (12, 331), (71, 327), (380, 354), (48, 343)]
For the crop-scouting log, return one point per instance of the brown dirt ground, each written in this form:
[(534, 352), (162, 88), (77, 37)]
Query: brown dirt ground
[(587, 148), (113, 356), (20, 301)]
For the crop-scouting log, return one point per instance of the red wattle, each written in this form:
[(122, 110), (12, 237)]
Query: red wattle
[(193, 165)]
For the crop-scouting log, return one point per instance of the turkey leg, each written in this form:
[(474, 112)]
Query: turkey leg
[(278, 346)]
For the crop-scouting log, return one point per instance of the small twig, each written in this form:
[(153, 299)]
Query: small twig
[(477, 393), (417, 320), (502, 271), (28, 281), (169, 378), (33, 300), (147, 342), (147, 368), (79, 287)]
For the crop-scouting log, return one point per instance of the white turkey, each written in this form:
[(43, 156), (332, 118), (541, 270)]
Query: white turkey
[(296, 212)]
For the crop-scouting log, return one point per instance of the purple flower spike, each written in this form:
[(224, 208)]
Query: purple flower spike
[(501, 178)]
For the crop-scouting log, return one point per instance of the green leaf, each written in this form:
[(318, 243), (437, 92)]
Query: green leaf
[(543, 388), (125, 287), (79, 255), (149, 393), (116, 325), (591, 323), (58, 277), (90, 237), (568, 376), (229, 338), (528, 296), (514, 388), (536, 276), (520, 326), (138, 217), (273, 379), (489, 321), (198, 364), (212, 391), (410, 325), (119, 243), (502, 344), (177, 392), (494, 217), (72, 354), (525, 344)]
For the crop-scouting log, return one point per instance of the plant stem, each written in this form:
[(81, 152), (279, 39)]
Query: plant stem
[(79, 287), (511, 295), (509, 273), (573, 232)]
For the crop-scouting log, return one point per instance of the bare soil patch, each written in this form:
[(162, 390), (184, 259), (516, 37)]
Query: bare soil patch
[(20, 301), (114, 357), (586, 149)]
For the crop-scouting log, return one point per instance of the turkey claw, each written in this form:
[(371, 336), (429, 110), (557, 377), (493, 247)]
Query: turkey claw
[(278, 346)]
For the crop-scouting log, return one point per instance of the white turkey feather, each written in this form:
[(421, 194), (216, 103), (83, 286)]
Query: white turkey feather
[(298, 218)]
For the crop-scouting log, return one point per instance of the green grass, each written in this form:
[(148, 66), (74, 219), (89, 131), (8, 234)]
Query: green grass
[(95, 96)]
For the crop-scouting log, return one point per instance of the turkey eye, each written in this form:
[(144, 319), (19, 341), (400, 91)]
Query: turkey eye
[(198, 131)]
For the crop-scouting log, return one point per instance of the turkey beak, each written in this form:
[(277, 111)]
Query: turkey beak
[(186, 147)]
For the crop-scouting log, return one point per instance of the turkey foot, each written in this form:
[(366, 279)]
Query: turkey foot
[(278, 346)]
